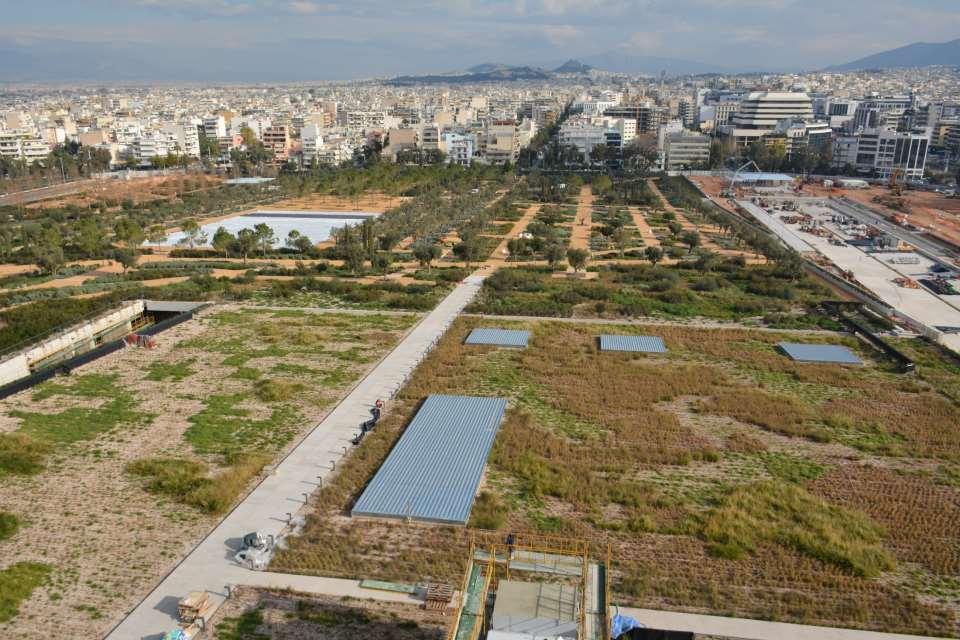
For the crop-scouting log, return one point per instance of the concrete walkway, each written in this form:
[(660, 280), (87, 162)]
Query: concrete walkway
[(746, 629), (284, 493)]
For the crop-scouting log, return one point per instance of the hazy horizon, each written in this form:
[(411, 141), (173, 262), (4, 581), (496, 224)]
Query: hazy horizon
[(237, 41)]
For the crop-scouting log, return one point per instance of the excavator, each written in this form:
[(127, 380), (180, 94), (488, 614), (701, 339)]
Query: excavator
[(896, 182)]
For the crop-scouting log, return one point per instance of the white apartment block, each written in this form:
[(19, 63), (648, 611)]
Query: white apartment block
[(363, 120), (215, 127), (459, 148), (184, 138), (23, 145), (311, 142), (256, 124)]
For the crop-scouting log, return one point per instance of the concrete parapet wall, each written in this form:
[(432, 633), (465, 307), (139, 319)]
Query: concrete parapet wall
[(77, 338)]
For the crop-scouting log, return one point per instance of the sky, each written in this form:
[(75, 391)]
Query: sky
[(288, 40)]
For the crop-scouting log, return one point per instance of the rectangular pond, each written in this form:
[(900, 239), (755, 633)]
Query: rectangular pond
[(316, 225)]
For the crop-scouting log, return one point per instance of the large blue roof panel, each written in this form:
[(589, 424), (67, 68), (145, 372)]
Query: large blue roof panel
[(434, 470)]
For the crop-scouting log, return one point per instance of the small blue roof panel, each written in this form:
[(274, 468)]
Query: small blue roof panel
[(434, 470), (827, 353), (499, 337), (644, 344)]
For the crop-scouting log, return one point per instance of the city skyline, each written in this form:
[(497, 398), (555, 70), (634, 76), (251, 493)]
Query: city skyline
[(290, 40)]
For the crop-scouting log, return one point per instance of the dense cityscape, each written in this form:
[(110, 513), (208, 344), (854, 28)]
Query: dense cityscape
[(624, 348), (854, 124)]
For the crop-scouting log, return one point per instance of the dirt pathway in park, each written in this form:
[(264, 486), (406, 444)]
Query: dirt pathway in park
[(583, 223), (500, 254), (646, 232)]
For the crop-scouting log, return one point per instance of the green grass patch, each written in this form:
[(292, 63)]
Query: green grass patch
[(17, 583), (778, 512), (21, 455), (225, 427), (173, 371), (791, 468), (242, 627), (78, 424), (9, 524), (189, 481), (91, 385)]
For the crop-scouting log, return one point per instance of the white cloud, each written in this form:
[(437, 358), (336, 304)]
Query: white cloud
[(561, 34), (304, 7), (644, 42), (222, 8)]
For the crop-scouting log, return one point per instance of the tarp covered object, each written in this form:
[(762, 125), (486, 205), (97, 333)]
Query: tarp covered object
[(622, 624)]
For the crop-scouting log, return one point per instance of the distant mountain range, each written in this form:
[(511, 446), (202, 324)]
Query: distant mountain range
[(573, 66), (918, 54), (608, 62), (488, 72)]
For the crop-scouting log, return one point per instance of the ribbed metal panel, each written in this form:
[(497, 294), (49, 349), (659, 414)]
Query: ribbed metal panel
[(499, 337), (435, 468), (831, 353), (646, 344)]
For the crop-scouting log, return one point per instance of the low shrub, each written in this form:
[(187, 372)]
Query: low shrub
[(188, 482), (278, 389), (488, 512), (21, 455), (9, 524), (17, 583), (785, 513)]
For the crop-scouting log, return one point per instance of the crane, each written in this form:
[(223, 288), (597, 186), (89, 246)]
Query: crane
[(730, 193)]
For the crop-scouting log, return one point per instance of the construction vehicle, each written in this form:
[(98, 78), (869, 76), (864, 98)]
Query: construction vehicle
[(194, 612), (256, 551), (896, 182)]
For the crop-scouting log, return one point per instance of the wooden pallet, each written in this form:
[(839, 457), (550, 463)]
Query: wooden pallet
[(439, 596)]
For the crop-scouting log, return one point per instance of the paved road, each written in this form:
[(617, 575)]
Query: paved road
[(210, 567), (44, 193), (746, 629), (862, 213)]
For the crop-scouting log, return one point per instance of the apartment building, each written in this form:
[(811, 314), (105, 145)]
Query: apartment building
[(363, 120), (880, 112), (501, 142), (685, 150), (648, 116), (311, 141), (430, 138), (215, 126), (185, 139), (23, 145), (277, 140), (458, 147)]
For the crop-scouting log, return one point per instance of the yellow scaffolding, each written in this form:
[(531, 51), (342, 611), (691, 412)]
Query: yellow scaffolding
[(492, 543)]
